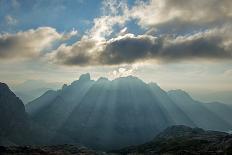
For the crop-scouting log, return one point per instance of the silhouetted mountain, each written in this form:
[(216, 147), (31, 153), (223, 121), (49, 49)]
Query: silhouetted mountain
[(14, 122), (106, 114), (178, 140), (16, 128)]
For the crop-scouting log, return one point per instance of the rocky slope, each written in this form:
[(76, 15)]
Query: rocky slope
[(175, 140), (178, 140), (48, 150)]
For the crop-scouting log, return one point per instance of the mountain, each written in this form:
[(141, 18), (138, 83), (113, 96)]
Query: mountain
[(16, 127), (14, 122), (106, 114), (214, 95), (32, 89), (176, 140), (211, 116)]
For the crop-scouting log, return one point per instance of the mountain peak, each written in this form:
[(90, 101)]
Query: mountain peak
[(64, 86), (5, 90), (130, 77), (153, 84), (179, 92), (85, 77), (3, 86)]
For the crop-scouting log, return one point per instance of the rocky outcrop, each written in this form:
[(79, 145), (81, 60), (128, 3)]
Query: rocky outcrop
[(178, 140)]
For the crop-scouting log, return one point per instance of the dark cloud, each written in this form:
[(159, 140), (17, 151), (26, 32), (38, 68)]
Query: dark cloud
[(208, 45), (129, 49)]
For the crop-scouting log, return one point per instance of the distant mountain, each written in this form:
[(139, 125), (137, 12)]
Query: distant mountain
[(14, 122), (32, 89), (218, 96), (211, 116), (178, 140), (106, 114)]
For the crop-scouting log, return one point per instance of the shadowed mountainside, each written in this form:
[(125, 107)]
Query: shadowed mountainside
[(106, 114), (14, 122)]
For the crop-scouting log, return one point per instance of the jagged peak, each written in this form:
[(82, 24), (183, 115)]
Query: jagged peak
[(178, 91), (154, 85), (64, 86), (130, 77), (84, 77), (4, 89), (3, 86)]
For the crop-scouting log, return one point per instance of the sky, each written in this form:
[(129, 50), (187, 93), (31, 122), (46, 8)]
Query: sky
[(179, 44)]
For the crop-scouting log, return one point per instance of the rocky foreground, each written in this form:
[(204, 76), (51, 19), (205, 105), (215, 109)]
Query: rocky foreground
[(175, 140), (48, 150), (182, 140)]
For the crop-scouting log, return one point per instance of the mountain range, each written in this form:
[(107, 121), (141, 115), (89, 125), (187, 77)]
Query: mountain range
[(106, 115)]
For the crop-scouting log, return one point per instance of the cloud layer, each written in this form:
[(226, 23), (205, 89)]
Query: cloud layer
[(209, 38), (214, 44), (30, 43), (156, 12)]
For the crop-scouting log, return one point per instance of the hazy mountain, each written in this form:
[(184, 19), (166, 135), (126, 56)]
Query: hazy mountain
[(202, 114), (106, 114), (32, 89), (221, 110), (219, 96), (178, 140)]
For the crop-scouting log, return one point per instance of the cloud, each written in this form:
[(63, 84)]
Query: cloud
[(124, 71), (155, 12), (114, 13), (80, 53), (101, 45), (30, 43), (213, 44)]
